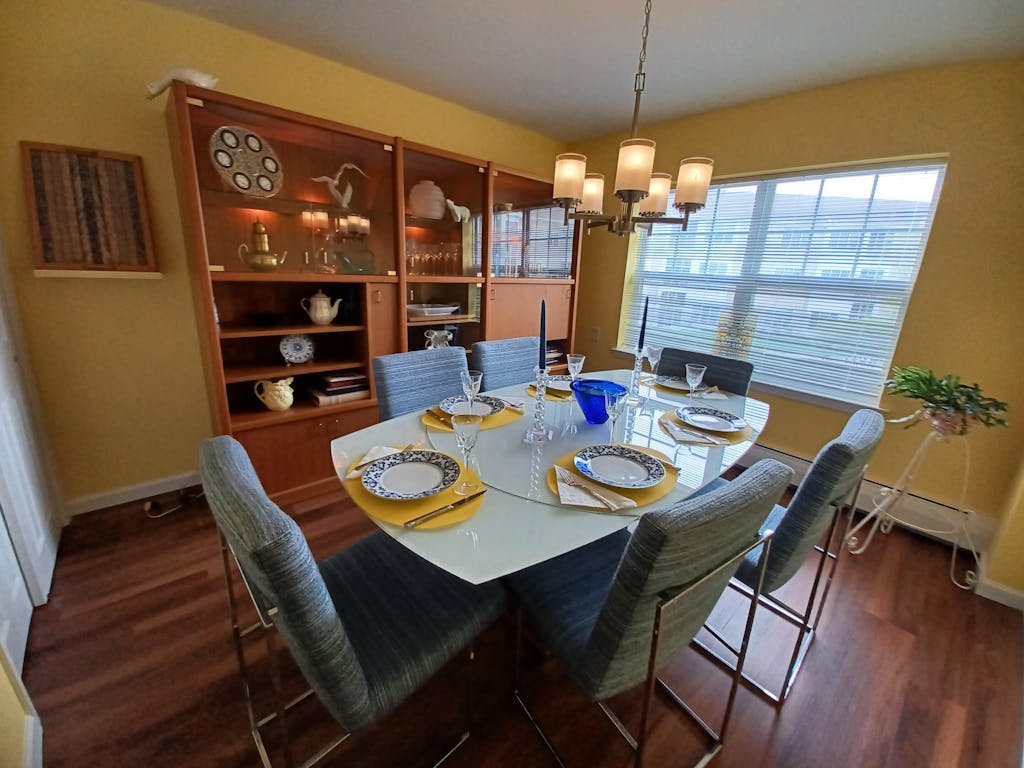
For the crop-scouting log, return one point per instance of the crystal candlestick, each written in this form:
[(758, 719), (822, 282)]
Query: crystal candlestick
[(538, 433), (633, 397)]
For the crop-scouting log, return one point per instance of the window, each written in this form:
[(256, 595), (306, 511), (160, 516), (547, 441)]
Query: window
[(807, 276)]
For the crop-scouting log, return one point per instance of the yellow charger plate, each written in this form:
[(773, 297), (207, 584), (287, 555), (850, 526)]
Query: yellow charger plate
[(641, 496)]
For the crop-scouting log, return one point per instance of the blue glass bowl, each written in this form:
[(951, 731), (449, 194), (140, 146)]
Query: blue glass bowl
[(590, 395)]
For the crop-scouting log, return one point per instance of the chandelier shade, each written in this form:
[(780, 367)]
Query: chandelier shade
[(636, 184)]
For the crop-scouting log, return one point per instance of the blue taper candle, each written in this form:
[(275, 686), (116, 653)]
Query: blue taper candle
[(542, 360), (643, 326)]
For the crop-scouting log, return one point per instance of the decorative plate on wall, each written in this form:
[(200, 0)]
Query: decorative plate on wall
[(246, 161)]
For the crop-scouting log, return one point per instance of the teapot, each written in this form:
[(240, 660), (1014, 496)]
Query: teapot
[(437, 339), (276, 395), (259, 257), (319, 308)]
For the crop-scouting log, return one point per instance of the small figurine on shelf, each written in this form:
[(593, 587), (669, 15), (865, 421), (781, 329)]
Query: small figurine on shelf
[(334, 184), (459, 212), (437, 339)]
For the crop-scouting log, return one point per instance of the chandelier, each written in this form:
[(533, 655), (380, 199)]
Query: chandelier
[(635, 183)]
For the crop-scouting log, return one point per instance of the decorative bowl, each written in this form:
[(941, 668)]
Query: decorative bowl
[(431, 310), (590, 395)]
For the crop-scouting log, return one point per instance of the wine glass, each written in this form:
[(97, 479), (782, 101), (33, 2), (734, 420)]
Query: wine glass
[(694, 376), (653, 355), (575, 363), (466, 427), (470, 385), (614, 404)]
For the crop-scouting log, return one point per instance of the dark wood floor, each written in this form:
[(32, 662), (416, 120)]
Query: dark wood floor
[(131, 664)]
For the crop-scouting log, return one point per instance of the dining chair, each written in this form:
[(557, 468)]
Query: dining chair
[(366, 626), (726, 373), (409, 381), (505, 361), (811, 523), (615, 612)]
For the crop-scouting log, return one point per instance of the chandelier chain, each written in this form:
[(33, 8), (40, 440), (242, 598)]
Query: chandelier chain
[(638, 84)]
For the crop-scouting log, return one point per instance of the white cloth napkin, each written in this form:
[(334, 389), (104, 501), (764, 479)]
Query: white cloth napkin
[(684, 435), (710, 394), (377, 452), (578, 497)]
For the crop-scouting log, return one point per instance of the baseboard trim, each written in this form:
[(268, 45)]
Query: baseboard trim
[(128, 493), (913, 508), (999, 593), (32, 748)]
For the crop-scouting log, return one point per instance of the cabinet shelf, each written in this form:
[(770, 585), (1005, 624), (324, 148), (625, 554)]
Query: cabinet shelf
[(533, 280), (443, 320), (296, 277), (234, 374), (443, 279), (255, 331), (254, 419)]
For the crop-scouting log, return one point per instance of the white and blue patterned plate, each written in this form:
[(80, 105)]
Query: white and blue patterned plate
[(712, 419), (482, 405), (410, 475), (619, 466), (560, 383)]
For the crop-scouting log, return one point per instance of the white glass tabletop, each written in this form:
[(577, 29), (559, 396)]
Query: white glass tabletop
[(521, 522)]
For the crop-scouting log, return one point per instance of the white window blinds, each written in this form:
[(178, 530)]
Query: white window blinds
[(807, 276), (531, 242)]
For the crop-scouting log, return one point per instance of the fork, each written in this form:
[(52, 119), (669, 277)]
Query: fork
[(570, 479)]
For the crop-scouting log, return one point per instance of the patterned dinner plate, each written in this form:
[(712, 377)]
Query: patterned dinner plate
[(619, 466), (410, 475), (711, 419), (483, 405)]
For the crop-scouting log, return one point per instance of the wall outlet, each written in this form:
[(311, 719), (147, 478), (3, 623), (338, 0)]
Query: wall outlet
[(595, 334)]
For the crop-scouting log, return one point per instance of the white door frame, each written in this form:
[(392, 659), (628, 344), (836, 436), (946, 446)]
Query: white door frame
[(32, 502)]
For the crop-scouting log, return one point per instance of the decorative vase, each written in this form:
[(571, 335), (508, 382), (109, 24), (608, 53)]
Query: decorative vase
[(427, 201)]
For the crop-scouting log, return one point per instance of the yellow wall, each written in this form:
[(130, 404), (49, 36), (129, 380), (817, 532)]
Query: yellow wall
[(965, 314), (116, 361), (1004, 563)]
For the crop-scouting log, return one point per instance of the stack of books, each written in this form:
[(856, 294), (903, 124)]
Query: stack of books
[(339, 387)]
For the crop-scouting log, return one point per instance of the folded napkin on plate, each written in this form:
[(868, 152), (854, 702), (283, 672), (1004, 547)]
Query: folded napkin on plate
[(377, 452), (685, 435), (590, 494)]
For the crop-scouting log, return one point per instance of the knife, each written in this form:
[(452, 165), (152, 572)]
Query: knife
[(440, 415), (431, 515)]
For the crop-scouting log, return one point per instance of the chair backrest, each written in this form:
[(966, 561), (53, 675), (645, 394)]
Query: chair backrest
[(671, 550), (408, 381), (506, 361), (830, 479), (279, 568), (726, 373)]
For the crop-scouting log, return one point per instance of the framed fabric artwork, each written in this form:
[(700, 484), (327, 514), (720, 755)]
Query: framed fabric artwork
[(87, 209)]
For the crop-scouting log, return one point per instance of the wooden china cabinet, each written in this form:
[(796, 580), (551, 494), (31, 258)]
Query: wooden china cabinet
[(336, 200)]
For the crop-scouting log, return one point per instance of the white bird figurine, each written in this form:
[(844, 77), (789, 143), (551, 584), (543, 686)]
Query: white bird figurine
[(343, 198)]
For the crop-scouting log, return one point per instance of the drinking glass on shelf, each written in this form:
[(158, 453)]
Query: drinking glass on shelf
[(694, 376), (466, 427), (614, 404), (575, 363), (471, 385)]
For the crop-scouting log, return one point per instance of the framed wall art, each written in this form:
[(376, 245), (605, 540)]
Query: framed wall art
[(87, 209)]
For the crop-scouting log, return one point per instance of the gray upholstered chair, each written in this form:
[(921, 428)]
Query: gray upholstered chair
[(810, 523), (506, 361), (408, 381), (616, 611), (723, 372), (361, 661)]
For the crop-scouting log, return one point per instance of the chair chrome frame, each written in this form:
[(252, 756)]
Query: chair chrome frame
[(652, 681), (831, 551), (265, 626)]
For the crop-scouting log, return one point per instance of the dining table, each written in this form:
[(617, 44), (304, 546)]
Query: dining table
[(521, 520)]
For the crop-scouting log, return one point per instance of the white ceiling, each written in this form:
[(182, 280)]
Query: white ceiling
[(566, 68)]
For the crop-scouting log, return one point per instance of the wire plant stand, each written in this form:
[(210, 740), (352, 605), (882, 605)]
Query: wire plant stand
[(885, 510)]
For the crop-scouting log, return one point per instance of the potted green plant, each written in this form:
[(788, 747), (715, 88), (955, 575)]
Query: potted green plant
[(949, 407)]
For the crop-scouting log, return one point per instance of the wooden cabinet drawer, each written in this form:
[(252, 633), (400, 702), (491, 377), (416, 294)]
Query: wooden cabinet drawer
[(298, 453)]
